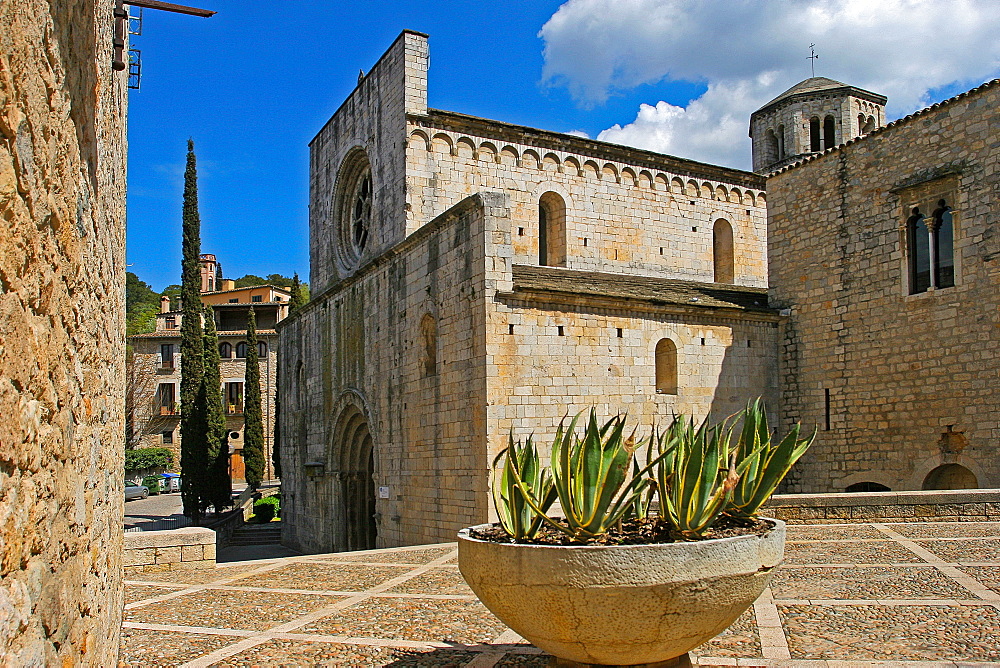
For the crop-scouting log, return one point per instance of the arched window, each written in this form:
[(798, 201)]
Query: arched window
[(428, 345), (781, 142), (666, 367), (773, 149), (814, 138), (930, 248), (829, 132), (262, 349), (551, 230), (943, 244), (723, 259), (241, 350), (225, 350), (870, 124), (861, 124)]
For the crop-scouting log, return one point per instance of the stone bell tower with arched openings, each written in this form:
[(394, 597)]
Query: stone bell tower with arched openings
[(810, 117)]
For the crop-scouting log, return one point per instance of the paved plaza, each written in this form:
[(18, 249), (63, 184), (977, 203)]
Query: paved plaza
[(900, 594)]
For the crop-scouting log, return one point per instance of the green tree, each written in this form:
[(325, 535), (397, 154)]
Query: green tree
[(141, 305), (296, 302), (249, 281), (253, 430), (218, 485), (194, 450), (174, 292)]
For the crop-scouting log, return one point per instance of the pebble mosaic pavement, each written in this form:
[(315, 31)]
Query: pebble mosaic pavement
[(887, 595)]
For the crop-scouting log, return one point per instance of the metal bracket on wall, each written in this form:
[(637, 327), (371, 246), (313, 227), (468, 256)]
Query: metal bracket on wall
[(125, 25)]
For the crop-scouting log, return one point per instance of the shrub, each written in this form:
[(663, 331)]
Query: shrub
[(266, 509), (141, 459), (153, 483)]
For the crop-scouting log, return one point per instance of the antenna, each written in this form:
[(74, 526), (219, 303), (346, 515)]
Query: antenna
[(813, 56)]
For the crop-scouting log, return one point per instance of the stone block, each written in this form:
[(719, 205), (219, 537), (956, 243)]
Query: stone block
[(139, 557), (192, 553), (168, 555)]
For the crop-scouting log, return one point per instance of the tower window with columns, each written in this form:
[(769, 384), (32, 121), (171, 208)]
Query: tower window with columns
[(930, 242)]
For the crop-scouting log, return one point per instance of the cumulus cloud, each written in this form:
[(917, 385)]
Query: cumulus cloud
[(747, 52)]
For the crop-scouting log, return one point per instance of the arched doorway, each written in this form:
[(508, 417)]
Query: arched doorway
[(951, 476), (357, 480)]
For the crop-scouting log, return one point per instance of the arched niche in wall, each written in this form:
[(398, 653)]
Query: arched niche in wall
[(950, 476), (723, 257), (551, 230), (428, 346), (666, 366)]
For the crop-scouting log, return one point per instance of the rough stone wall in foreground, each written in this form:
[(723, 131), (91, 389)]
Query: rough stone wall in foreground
[(902, 370), (62, 242)]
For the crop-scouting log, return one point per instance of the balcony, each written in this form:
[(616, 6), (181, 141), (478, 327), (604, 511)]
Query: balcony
[(234, 409), (168, 410), (165, 366)]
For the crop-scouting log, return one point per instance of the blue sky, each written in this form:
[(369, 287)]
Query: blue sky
[(253, 85)]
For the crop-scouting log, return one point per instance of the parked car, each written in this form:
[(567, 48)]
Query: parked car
[(171, 482), (133, 491)]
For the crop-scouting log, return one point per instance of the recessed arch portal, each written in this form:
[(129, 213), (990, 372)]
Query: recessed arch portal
[(356, 458), (951, 476)]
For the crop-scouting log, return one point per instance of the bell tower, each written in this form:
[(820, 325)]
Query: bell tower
[(810, 117)]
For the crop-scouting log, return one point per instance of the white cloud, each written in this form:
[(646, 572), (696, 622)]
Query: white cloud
[(748, 52)]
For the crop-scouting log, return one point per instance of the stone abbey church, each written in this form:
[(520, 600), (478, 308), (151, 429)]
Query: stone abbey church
[(472, 277)]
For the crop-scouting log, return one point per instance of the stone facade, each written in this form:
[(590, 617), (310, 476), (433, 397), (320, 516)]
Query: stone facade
[(62, 333), (157, 367), (901, 378), (472, 277)]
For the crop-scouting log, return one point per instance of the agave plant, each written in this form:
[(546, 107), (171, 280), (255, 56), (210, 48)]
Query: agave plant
[(591, 476), (761, 466), (521, 468), (697, 477)]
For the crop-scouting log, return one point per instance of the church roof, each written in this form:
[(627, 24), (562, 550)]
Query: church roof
[(815, 85), (663, 291)]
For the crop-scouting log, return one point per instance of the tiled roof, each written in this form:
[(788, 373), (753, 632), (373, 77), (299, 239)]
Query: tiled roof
[(644, 288)]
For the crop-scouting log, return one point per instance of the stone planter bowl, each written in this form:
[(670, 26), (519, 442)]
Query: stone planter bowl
[(624, 604)]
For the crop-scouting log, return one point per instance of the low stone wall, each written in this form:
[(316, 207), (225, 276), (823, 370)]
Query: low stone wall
[(965, 505), (187, 548)]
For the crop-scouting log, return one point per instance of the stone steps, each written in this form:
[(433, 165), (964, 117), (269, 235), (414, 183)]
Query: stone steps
[(257, 534)]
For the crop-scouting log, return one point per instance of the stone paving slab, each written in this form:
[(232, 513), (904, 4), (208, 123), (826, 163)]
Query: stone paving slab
[(899, 595)]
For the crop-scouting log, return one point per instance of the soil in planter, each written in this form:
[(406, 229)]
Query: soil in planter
[(631, 532)]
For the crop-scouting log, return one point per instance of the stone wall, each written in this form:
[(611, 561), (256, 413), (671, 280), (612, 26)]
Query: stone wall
[(372, 122), (361, 372), (62, 264), (909, 381), (176, 549), (979, 505), (626, 210)]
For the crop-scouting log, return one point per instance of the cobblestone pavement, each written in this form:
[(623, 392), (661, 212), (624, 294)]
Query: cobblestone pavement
[(889, 595)]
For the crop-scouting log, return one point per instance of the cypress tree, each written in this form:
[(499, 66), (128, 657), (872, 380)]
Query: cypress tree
[(296, 302), (253, 431), (218, 485), (193, 446)]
